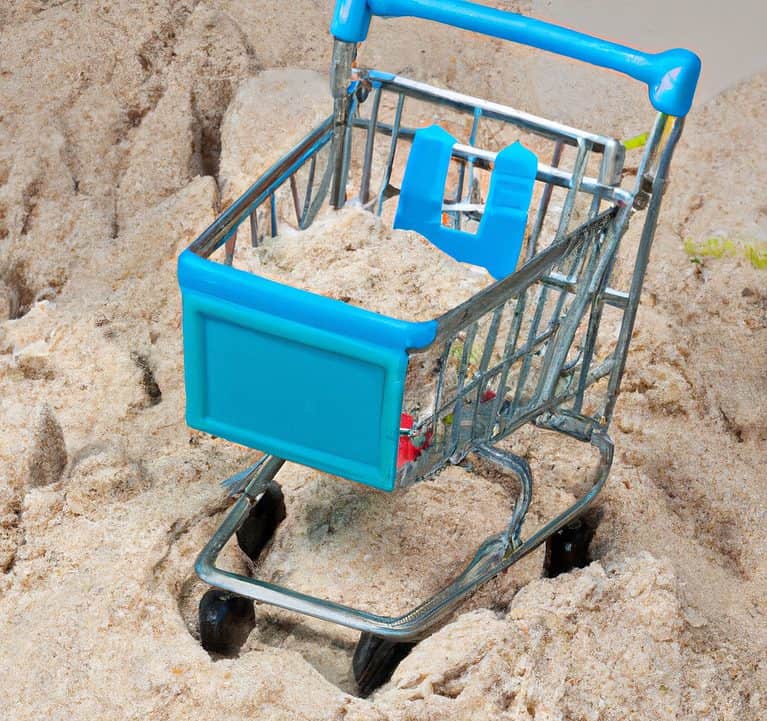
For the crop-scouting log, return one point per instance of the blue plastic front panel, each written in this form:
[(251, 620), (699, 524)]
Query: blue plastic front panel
[(303, 377)]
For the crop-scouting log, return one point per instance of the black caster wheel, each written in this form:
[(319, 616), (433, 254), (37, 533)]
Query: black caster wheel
[(375, 659), (262, 521), (568, 548), (226, 621)]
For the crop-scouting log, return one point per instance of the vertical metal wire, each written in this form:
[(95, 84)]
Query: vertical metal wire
[(579, 169), (589, 344), (273, 215), (508, 352), (308, 196), (254, 239), (469, 165), (392, 150), (471, 333), (343, 166), (369, 147), (294, 194), (229, 249), (487, 353)]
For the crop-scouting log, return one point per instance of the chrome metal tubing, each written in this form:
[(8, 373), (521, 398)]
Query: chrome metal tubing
[(495, 111), (340, 75), (218, 232), (494, 556), (485, 159), (643, 253)]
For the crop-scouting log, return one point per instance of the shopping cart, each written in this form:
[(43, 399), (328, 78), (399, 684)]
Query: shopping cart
[(545, 345)]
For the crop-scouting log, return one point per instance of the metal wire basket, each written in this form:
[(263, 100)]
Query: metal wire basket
[(545, 344)]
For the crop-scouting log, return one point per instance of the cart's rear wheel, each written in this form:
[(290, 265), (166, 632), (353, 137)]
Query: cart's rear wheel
[(375, 659), (568, 548), (262, 521), (226, 621)]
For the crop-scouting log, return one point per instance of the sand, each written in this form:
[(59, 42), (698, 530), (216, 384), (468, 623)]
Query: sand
[(366, 263), (112, 159)]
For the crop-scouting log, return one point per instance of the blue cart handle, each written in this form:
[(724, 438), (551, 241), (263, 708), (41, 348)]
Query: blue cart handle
[(671, 75)]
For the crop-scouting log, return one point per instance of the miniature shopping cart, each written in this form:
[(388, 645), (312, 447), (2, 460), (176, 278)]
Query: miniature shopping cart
[(316, 381)]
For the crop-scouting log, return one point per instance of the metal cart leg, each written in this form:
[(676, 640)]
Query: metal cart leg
[(521, 468), (495, 555)]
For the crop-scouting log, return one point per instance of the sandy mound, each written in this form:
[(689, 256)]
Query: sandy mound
[(603, 643), (273, 110), (111, 156)]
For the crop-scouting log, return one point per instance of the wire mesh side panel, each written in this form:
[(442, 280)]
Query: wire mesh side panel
[(545, 349), (533, 352), (286, 198)]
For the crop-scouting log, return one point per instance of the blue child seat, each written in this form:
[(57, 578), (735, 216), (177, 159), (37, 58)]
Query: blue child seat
[(498, 240)]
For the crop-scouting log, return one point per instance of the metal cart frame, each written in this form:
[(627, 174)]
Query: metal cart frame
[(523, 349)]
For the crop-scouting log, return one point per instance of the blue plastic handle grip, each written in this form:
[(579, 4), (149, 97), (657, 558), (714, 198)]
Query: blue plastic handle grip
[(671, 76)]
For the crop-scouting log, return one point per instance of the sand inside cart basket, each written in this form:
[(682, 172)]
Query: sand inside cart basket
[(353, 256)]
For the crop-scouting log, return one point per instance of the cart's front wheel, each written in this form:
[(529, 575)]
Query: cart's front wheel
[(226, 621), (568, 548), (375, 659), (262, 521)]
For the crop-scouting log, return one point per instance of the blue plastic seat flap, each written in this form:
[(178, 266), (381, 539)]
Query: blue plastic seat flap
[(498, 240)]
